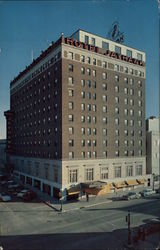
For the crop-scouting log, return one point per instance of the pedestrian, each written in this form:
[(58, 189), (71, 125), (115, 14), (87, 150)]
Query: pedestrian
[(87, 197)]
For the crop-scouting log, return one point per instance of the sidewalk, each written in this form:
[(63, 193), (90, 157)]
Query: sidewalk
[(150, 243), (78, 204)]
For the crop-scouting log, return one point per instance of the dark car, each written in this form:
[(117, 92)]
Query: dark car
[(131, 195)]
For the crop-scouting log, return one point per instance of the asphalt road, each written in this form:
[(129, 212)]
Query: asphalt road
[(35, 226)]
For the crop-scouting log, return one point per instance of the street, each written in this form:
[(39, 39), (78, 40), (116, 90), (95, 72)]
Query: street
[(36, 226)]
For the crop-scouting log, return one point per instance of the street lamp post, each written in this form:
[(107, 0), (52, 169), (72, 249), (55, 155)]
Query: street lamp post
[(129, 229)]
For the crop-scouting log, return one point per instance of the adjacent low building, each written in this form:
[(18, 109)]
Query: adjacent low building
[(77, 115), (152, 145)]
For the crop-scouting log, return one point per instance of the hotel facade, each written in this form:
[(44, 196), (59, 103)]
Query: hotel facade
[(77, 115)]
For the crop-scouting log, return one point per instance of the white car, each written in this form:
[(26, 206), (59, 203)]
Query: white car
[(5, 197), (148, 192), (21, 194)]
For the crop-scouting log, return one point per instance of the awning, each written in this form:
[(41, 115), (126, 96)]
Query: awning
[(140, 181), (131, 182), (120, 184)]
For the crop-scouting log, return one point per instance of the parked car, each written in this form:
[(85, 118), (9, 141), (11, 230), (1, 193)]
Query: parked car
[(158, 191), (5, 197), (147, 192), (22, 193), (13, 185), (30, 195), (131, 195)]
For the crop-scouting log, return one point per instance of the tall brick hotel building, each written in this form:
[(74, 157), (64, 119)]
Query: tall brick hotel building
[(77, 115)]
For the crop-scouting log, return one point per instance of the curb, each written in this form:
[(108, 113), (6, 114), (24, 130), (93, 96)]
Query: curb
[(76, 208)]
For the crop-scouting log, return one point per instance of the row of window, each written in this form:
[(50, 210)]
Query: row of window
[(93, 143), (104, 173), (104, 64)]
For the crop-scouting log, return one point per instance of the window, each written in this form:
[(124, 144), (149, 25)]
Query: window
[(46, 171), (116, 143), (126, 152), (129, 170), (140, 142), (88, 131), (118, 49), (104, 109), (94, 72), (131, 71), (105, 120), (83, 155), (139, 83), (82, 94), (71, 155), (132, 132), (131, 91), (94, 131), (70, 118), (83, 131), (116, 88), (94, 96), (93, 41), (139, 93), (82, 58), (104, 173), (82, 118), (126, 69), (126, 122), (89, 95), (140, 123), (140, 103), (104, 131), (70, 68), (82, 70), (126, 132), (70, 55), (71, 143), (116, 110), (126, 80), (126, 111), (89, 174), (71, 130), (131, 81), (88, 143), (70, 105), (116, 99), (83, 143), (117, 132), (139, 113), (82, 106), (132, 152), (94, 61), (116, 67), (70, 80), (94, 84), (89, 154), (89, 83), (94, 119), (94, 108), (89, 119), (139, 56), (117, 78), (139, 73), (88, 60), (117, 153), (86, 39), (104, 98), (94, 143), (116, 121), (125, 90), (126, 142), (82, 82), (117, 171), (56, 175), (88, 72), (104, 75), (131, 122), (131, 102), (129, 53), (125, 101), (73, 175), (105, 45), (139, 170), (70, 92), (105, 154), (104, 64), (131, 112), (104, 85)]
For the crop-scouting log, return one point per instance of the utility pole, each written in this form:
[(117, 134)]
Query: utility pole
[(129, 229)]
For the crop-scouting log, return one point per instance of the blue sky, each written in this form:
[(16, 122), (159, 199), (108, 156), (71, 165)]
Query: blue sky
[(32, 25)]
